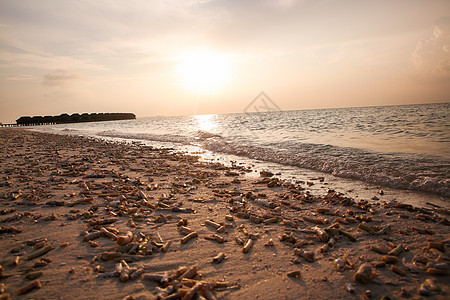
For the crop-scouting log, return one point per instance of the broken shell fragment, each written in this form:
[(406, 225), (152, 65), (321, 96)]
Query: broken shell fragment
[(437, 271), (124, 239), (323, 236), (182, 222), (378, 250), (40, 252), (106, 233), (212, 224), (80, 201), (365, 227), (162, 279), (193, 291), (185, 230), (420, 259), (324, 248), (271, 220), (92, 236), (248, 245), (307, 255), (383, 230), (239, 241), (289, 223), (397, 250), (270, 243), (221, 229), (219, 258), (364, 273), (398, 270), (130, 223), (331, 242), (124, 274), (437, 245), (255, 219), (93, 244), (389, 259), (215, 237), (34, 275), (166, 246), (189, 237), (16, 261), (136, 273), (35, 284), (348, 235), (229, 218), (110, 255), (428, 287), (141, 195), (190, 273)]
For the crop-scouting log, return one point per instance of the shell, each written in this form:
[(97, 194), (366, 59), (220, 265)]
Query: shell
[(397, 250), (35, 284), (124, 239), (307, 255), (189, 237), (219, 258), (248, 245), (212, 224)]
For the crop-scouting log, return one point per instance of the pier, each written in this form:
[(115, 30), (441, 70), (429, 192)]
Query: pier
[(66, 118), (8, 125)]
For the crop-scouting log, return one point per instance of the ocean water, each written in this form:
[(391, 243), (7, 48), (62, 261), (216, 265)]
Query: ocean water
[(404, 147)]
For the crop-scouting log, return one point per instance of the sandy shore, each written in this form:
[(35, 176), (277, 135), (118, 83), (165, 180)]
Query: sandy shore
[(87, 219)]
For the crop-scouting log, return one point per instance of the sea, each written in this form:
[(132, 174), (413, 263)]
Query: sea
[(402, 149)]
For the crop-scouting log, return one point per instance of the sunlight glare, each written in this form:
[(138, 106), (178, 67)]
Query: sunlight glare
[(203, 71), (206, 122)]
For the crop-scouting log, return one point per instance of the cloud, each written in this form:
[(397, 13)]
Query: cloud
[(20, 57), (23, 78), (282, 3), (59, 78), (431, 58)]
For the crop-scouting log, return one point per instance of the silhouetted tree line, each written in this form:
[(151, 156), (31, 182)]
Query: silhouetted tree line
[(74, 118)]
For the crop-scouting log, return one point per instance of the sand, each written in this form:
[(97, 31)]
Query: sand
[(82, 218)]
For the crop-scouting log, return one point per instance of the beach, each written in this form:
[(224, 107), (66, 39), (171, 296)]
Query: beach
[(87, 218)]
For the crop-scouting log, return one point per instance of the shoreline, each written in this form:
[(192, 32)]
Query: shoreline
[(53, 188), (351, 187)]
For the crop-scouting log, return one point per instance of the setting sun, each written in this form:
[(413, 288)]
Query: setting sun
[(203, 71)]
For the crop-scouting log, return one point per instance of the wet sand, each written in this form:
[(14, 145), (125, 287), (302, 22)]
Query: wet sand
[(84, 218)]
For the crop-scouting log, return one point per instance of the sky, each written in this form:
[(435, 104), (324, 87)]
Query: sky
[(202, 57)]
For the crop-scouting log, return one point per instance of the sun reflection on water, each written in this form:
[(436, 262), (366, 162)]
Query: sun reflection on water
[(206, 122), (204, 126)]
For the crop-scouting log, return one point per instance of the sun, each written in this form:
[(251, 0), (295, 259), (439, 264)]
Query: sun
[(203, 71)]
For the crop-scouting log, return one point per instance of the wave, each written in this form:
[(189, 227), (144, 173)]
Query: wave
[(398, 170), (169, 138)]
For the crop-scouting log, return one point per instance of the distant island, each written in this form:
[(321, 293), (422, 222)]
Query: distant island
[(74, 118)]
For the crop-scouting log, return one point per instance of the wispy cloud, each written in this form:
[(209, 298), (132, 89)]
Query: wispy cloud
[(59, 78), (282, 3), (46, 61), (23, 78)]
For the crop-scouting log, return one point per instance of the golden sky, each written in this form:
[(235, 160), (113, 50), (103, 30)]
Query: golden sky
[(198, 56)]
